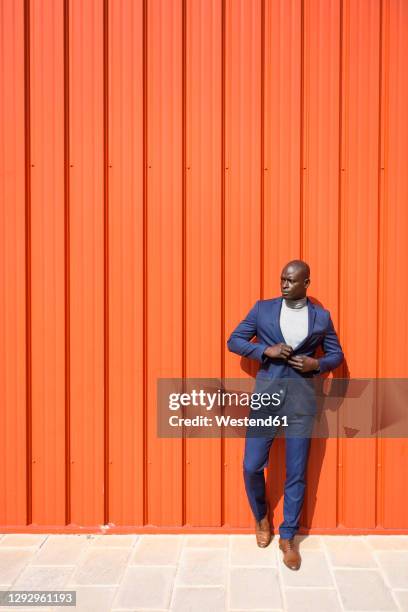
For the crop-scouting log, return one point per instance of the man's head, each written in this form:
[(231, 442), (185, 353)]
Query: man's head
[(295, 279)]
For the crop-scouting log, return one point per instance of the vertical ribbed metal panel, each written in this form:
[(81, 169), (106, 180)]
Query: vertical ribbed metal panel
[(161, 160)]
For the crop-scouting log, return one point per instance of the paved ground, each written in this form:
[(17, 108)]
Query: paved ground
[(208, 573)]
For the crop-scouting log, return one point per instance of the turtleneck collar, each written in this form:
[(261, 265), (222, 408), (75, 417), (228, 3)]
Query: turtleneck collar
[(300, 303)]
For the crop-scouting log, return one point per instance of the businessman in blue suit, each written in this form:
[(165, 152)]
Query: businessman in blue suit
[(288, 330)]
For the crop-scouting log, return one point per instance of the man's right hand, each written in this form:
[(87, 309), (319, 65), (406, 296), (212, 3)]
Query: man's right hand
[(279, 351)]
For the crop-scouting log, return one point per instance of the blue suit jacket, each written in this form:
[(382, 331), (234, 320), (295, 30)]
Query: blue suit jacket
[(262, 321)]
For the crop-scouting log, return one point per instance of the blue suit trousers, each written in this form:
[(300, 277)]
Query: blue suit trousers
[(256, 457)]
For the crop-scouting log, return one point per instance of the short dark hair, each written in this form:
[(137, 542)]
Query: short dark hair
[(300, 265)]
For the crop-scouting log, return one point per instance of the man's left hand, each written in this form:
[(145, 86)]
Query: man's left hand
[(303, 363)]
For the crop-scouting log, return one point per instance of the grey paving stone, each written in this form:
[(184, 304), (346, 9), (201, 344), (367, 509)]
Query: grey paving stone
[(202, 566), (312, 600), (314, 571), (20, 609), (386, 542), (363, 589), (251, 588), (114, 540), (145, 587), (45, 577), (101, 566), (349, 551), (207, 540), (395, 566), (402, 599), (23, 539), (198, 599), (90, 599), (244, 551), (156, 550), (12, 562), (190, 572), (61, 550), (308, 542)]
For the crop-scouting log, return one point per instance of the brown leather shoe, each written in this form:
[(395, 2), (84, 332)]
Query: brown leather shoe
[(291, 556), (263, 530)]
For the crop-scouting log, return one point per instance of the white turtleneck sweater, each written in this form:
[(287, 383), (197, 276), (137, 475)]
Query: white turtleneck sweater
[(294, 321)]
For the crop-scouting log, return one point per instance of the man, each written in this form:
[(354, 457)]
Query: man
[(288, 330)]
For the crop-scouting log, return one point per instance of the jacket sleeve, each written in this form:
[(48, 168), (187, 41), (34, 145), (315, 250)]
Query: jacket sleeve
[(239, 340), (333, 353)]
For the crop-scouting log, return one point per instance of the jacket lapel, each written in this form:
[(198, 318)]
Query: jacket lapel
[(277, 332)]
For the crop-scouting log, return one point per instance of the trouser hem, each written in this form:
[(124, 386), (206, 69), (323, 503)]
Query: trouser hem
[(287, 535)]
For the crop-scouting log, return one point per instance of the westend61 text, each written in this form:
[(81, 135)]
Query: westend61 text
[(227, 421)]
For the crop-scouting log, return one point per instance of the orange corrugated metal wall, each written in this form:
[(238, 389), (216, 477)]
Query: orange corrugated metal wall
[(160, 163)]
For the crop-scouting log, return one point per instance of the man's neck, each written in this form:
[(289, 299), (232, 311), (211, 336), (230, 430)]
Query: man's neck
[(299, 303)]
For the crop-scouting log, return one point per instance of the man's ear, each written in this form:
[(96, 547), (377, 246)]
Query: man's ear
[(307, 282)]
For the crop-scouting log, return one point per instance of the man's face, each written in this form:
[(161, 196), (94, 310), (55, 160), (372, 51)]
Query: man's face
[(293, 283)]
